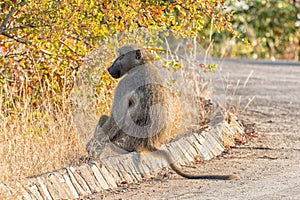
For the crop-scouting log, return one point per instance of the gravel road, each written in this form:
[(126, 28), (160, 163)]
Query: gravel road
[(268, 165)]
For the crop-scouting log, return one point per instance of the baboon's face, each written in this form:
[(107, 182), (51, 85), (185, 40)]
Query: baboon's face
[(125, 63)]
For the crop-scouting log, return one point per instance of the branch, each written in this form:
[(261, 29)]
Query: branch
[(15, 38), (8, 17), (12, 55), (19, 27)]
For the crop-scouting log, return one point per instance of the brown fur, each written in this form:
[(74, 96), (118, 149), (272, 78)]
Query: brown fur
[(145, 114)]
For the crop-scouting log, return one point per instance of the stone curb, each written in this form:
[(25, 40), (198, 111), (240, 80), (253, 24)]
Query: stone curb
[(109, 173)]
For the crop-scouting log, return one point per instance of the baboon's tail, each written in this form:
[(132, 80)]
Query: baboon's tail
[(189, 176), (212, 177)]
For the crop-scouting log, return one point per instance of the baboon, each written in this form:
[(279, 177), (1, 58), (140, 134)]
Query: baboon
[(145, 113)]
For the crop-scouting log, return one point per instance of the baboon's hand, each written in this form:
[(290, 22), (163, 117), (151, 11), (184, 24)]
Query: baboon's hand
[(95, 148)]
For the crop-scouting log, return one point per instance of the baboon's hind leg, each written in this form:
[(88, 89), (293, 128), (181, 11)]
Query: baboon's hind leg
[(102, 120)]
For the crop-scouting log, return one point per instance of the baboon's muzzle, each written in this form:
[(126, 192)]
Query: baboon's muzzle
[(115, 69)]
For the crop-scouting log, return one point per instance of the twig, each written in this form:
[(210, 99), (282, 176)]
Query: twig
[(249, 102), (245, 83), (46, 52), (70, 48)]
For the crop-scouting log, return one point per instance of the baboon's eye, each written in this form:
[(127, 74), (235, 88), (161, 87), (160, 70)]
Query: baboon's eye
[(138, 55), (130, 102)]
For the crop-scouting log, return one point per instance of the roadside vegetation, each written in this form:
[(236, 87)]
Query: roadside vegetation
[(45, 44)]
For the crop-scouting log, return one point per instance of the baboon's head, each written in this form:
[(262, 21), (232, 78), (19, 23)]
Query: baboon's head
[(130, 57)]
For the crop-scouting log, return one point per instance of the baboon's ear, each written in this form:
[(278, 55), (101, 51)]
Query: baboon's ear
[(138, 54)]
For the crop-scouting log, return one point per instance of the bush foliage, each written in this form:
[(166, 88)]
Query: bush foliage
[(43, 42), (268, 29)]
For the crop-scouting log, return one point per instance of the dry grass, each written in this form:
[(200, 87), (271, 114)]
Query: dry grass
[(34, 141), (38, 135)]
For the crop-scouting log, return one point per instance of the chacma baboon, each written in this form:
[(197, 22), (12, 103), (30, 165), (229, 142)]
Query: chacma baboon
[(145, 113)]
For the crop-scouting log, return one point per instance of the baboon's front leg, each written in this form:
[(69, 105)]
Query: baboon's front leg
[(106, 131), (96, 145)]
